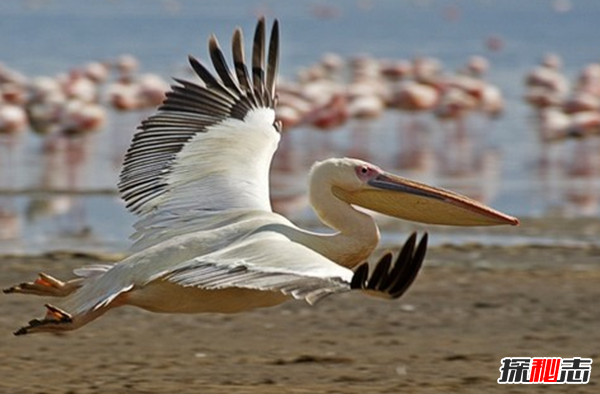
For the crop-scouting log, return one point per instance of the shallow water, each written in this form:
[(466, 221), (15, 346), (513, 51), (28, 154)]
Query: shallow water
[(500, 163)]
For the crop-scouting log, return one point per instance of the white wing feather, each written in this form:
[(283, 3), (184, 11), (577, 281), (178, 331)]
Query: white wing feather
[(225, 168), (209, 147)]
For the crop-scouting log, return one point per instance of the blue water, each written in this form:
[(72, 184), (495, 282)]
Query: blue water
[(46, 37)]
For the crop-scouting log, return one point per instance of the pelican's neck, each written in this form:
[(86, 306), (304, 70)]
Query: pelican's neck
[(357, 234)]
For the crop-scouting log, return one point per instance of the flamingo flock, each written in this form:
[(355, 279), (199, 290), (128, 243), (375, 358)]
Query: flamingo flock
[(74, 102), (325, 95), (335, 90), (564, 109), (567, 118)]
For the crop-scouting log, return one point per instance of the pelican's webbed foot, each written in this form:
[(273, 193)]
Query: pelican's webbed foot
[(392, 279), (55, 320), (45, 285)]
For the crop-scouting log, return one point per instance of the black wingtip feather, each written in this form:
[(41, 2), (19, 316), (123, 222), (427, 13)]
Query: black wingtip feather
[(380, 273), (220, 65), (401, 264), (258, 60), (360, 276), (273, 61), (203, 72), (393, 282), (239, 61), (412, 270)]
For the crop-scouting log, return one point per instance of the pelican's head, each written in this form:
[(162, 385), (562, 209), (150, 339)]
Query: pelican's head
[(366, 185)]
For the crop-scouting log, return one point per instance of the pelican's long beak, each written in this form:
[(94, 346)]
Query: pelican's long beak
[(402, 198)]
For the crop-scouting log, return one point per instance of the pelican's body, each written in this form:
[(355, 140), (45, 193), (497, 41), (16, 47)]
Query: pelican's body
[(207, 239)]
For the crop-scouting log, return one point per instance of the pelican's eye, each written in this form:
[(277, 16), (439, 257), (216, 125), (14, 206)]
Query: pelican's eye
[(365, 172)]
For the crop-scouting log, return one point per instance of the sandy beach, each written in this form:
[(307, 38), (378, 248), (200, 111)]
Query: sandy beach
[(471, 306)]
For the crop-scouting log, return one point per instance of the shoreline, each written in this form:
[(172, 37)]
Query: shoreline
[(546, 232)]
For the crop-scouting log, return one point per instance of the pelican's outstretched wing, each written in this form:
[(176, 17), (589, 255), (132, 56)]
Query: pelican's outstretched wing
[(209, 146), (306, 274)]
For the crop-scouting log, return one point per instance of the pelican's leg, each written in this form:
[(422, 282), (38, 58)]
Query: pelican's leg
[(46, 285), (57, 320)]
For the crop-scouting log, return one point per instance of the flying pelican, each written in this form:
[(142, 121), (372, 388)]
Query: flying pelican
[(207, 240)]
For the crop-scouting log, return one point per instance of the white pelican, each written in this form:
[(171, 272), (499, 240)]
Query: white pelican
[(207, 240)]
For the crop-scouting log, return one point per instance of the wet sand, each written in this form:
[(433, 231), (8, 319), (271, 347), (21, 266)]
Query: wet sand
[(471, 306)]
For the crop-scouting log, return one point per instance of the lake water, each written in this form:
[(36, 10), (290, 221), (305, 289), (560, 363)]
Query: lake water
[(505, 165)]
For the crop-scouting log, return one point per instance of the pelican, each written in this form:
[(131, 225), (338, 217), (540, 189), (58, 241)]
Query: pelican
[(207, 239)]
